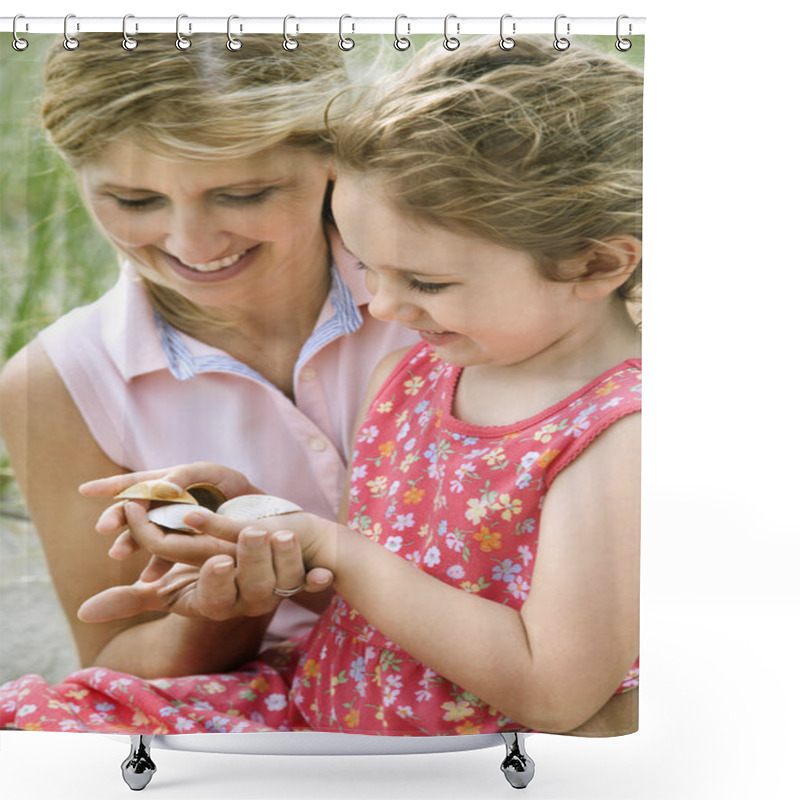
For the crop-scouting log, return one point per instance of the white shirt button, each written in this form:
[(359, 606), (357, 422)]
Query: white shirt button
[(308, 374), (318, 444)]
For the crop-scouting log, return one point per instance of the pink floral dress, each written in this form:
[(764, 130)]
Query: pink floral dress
[(462, 503)]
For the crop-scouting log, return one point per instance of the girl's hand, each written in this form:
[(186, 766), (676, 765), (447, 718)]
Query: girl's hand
[(218, 535), (222, 588)]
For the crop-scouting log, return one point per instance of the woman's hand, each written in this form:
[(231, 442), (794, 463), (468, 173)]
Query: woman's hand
[(222, 587), (113, 520)]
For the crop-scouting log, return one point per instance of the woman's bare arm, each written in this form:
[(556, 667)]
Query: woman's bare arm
[(53, 452)]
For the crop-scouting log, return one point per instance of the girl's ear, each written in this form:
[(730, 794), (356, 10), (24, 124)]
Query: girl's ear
[(604, 266)]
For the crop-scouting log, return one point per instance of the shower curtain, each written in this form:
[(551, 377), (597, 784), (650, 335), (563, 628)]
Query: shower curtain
[(58, 257)]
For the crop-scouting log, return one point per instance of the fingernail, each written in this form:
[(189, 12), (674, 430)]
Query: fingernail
[(224, 566), (284, 537), (196, 517), (253, 537)]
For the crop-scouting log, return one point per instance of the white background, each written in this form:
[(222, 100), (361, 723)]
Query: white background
[(720, 604)]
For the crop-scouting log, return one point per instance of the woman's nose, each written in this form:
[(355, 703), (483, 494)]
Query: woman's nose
[(195, 238)]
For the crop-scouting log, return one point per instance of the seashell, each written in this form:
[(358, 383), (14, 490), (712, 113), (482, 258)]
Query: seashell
[(171, 516), (161, 491), (249, 507), (207, 495), (245, 508)]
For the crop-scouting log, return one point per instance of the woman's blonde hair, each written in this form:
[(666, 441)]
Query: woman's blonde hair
[(535, 149), (204, 103)]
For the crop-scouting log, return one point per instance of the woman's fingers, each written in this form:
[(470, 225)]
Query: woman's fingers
[(118, 602), (114, 484), (216, 592), (112, 519), (124, 546), (290, 572), (230, 482), (155, 569), (255, 574)]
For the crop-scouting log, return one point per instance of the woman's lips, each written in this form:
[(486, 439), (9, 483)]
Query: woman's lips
[(220, 269)]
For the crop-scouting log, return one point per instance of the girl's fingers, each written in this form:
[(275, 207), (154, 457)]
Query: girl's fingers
[(318, 580), (255, 575), (176, 547), (216, 591), (207, 522)]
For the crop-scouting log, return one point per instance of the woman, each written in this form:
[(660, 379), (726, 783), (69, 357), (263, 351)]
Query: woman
[(237, 317)]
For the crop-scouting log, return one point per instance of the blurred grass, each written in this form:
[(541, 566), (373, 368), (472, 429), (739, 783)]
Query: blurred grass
[(52, 258)]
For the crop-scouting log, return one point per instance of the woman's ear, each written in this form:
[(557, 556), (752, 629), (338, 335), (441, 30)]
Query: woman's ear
[(604, 266)]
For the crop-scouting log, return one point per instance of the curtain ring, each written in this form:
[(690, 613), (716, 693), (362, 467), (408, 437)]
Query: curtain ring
[(451, 42), (70, 42), (181, 42), (507, 42), (345, 42), (561, 43), (19, 44), (623, 44), (128, 42), (233, 44), (401, 42), (288, 42)]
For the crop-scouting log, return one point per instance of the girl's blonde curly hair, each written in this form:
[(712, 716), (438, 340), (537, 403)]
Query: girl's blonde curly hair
[(535, 149)]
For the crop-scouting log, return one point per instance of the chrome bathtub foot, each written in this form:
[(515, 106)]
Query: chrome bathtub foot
[(138, 768), (517, 766)]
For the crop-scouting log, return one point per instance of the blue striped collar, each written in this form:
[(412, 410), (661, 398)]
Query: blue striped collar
[(339, 316)]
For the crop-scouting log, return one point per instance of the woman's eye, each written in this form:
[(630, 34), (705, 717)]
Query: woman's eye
[(136, 203), (245, 199)]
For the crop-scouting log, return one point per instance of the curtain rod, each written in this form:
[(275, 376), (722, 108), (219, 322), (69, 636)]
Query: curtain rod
[(348, 25)]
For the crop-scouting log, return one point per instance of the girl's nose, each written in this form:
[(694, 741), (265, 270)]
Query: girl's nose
[(391, 305), (194, 238)]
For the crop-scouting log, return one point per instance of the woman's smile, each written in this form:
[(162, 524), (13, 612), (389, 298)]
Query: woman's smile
[(220, 269)]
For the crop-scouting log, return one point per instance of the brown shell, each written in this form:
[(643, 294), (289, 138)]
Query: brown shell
[(207, 495)]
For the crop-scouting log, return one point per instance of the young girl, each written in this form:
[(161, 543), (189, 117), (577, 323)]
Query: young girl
[(488, 579)]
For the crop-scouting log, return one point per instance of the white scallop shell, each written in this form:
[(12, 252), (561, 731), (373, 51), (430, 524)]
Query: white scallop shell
[(245, 508), (171, 516), (249, 507)]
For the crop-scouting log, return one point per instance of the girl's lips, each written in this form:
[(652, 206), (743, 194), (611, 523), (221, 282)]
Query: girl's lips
[(438, 338), (221, 269)]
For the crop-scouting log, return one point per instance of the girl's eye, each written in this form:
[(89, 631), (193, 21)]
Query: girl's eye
[(416, 285), (427, 288)]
